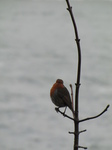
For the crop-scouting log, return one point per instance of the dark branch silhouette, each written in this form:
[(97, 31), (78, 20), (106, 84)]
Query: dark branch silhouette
[(89, 118), (82, 120), (82, 131), (57, 110), (77, 133), (72, 97), (81, 147), (76, 116), (77, 84)]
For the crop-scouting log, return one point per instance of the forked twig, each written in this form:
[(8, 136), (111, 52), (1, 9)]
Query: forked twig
[(82, 120)]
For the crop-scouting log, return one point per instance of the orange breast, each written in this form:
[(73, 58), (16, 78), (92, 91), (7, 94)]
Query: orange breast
[(54, 87)]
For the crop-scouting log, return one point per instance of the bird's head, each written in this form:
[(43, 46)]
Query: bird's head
[(59, 81)]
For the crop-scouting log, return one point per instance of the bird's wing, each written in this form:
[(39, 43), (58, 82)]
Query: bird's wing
[(65, 96), (57, 99)]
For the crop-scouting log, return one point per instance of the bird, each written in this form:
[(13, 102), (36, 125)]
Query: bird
[(60, 95)]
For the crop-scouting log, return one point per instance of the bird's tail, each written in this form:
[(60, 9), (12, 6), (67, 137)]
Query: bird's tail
[(73, 111)]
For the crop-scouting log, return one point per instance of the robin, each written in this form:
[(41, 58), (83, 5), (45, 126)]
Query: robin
[(60, 95)]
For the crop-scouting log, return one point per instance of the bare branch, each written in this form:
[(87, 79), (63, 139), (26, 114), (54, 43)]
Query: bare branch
[(72, 96), (82, 131), (96, 115), (57, 110), (76, 132), (72, 101), (81, 147), (76, 116), (71, 132)]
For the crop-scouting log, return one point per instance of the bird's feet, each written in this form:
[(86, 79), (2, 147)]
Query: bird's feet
[(57, 109)]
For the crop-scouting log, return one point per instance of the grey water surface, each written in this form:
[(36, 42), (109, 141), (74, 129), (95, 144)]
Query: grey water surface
[(37, 46)]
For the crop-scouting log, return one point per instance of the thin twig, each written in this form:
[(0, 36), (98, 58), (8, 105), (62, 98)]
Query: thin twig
[(71, 132), (72, 101), (57, 110), (72, 96), (80, 147), (78, 132), (96, 115), (82, 131)]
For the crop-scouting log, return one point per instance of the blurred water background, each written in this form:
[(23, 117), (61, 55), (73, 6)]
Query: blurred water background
[(37, 46)]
